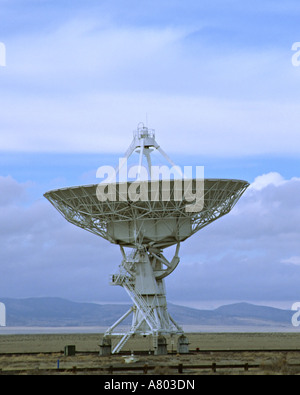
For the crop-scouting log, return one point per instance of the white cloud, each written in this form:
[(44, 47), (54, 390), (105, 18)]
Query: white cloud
[(263, 181), (103, 122), (294, 260), (88, 51)]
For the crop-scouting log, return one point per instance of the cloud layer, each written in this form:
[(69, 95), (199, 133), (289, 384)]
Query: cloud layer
[(251, 254), (83, 80)]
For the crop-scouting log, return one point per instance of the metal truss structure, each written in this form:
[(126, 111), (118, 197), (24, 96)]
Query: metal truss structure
[(80, 206), (147, 227)]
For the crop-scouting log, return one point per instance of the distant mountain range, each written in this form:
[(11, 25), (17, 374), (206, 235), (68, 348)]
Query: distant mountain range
[(59, 312)]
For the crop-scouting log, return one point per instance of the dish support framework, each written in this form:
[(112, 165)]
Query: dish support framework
[(142, 273)]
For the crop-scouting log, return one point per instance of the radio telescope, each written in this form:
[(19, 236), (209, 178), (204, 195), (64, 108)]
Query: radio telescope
[(147, 227)]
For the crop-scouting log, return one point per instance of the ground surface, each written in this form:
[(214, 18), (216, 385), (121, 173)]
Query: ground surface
[(211, 353)]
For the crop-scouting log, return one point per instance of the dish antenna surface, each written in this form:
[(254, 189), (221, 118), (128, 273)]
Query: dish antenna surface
[(146, 216)]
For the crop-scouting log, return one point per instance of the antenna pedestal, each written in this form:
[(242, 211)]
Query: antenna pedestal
[(142, 276)]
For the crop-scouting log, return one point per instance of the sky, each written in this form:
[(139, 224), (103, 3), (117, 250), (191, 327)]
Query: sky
[(215, 79)]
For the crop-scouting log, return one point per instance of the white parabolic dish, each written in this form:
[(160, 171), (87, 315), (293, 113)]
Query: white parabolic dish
[(157, 223)]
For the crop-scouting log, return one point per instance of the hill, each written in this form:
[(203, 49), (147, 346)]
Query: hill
[(49, 312)]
